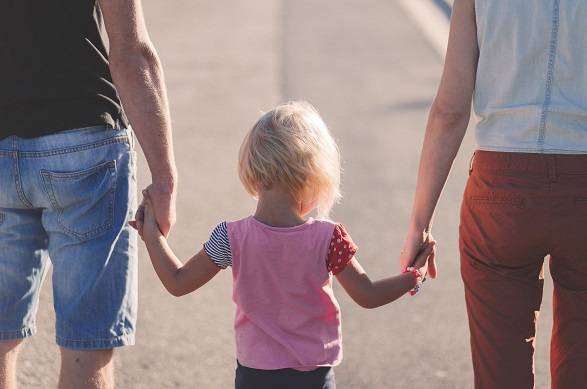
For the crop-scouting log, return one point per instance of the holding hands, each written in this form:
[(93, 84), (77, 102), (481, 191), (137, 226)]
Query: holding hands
[(419, 251), (417, 261), (150, 230), (162, 202)]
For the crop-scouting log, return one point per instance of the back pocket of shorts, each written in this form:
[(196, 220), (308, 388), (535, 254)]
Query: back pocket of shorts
[(83, 200)]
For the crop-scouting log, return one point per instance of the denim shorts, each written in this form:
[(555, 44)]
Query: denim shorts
[(66, 199)]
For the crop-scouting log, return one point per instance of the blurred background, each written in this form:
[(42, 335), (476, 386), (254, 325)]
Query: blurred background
[(371, 68)]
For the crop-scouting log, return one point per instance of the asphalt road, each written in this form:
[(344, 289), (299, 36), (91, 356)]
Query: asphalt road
[(372, 75)]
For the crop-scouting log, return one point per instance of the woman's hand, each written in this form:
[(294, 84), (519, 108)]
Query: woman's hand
[(414, 245), (424, 261)]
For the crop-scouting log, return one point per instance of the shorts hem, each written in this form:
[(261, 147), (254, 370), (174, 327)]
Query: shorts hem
[(97, 344), (19, 334)]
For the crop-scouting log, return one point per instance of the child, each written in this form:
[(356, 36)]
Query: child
[(287, 325)]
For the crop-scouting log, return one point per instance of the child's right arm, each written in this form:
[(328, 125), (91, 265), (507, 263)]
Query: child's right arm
[(179, 279), (369, 294)]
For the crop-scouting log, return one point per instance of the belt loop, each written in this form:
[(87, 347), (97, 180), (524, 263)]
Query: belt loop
[(118, 124), (551, 163), (131, 135)]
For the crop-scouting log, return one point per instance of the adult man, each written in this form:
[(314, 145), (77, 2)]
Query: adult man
[(67, 175)]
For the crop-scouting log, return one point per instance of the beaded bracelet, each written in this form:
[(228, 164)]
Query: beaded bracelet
[(419, 279)]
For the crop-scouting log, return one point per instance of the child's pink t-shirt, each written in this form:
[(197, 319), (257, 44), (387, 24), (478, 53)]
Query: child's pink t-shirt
[(286, 312)]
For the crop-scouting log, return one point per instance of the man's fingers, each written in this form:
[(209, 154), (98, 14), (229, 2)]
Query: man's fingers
[(146, 196), (149, 206), (140, 213), (149, 212), (139, 217), (161, 209)]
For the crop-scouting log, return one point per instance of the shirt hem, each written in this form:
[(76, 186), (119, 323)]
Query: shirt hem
[(287, 366), (530, 150)]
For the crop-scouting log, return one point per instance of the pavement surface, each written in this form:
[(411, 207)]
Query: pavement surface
[(372, 75)]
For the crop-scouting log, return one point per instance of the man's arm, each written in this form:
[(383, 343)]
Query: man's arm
[(138, 77)]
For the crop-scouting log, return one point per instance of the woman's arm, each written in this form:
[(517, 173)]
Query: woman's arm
[(373, 294), (447, 124)]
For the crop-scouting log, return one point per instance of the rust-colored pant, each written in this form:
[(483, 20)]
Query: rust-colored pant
[(517, 209)]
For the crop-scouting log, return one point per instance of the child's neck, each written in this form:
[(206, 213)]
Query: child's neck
[(276, 208)]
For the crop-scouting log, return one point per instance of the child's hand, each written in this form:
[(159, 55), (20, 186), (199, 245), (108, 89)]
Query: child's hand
[(150, 230), (427, 254), (139, 219)]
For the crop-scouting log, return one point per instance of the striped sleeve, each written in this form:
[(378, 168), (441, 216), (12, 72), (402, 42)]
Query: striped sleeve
[(218, 246)]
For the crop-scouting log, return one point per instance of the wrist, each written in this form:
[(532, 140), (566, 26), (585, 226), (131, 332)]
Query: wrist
[(154, 241), (419, 227), (165, 177), (165, 182), (419, 232), (416, 277), (411, 280)]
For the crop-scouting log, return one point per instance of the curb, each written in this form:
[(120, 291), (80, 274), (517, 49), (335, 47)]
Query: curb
[(444, 6), (432, 18)]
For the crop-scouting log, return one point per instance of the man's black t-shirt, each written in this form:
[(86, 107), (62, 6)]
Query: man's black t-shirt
[(54, 72)]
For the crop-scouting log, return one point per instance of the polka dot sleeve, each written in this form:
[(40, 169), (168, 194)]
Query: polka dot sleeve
[(341, 250)]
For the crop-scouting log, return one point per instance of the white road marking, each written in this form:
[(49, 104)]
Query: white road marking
[(431, 20)]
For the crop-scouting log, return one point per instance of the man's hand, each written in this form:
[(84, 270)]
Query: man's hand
[(151, 230), (162, 197), (415, 243), (163, 200)]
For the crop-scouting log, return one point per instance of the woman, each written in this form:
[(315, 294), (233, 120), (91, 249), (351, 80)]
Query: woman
[(525, 65)]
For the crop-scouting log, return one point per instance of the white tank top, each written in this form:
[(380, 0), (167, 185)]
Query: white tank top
[(531, 87)]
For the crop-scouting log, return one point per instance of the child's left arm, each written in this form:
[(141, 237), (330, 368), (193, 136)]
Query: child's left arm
[(373, 294), (179, 279)]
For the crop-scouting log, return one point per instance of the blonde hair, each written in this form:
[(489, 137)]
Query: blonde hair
[(291, 147)]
